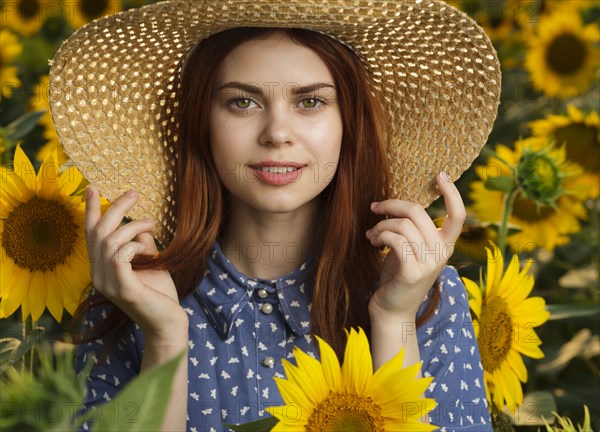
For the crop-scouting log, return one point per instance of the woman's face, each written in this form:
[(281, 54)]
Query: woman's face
[(275, 125)]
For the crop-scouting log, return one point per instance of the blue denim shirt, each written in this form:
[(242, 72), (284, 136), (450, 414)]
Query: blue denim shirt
[(240, 328)]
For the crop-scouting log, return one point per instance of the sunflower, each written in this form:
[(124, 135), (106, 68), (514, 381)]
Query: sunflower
[(10, 48), (541, 226), (503, 320), (81, 12), (551, 6), (27, 16), (581, 136), (563, 56), (333, 398), (44, 258), (496, 20), (40, 102)]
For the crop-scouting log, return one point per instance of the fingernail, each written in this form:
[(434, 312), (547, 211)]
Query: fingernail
[(149, 221), (444, 176), (89, 192), (368, 233), (131, 193), (373, 205)]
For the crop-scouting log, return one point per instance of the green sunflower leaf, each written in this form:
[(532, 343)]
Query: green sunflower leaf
[(263, 425), (142, 404), (23, 125)]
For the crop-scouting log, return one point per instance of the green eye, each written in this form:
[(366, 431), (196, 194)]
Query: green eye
[(242, 103), (310, 102)]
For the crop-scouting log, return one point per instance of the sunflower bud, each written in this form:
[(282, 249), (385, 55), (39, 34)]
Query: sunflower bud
[(539, 174)]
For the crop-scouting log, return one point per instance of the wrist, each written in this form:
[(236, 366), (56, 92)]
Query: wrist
[(171, 337)]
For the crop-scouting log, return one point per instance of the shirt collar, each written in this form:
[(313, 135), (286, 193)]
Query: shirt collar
[(224, 292)]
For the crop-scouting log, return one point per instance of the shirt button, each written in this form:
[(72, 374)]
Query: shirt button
[(262, 293), (266, 308), (268, 362)]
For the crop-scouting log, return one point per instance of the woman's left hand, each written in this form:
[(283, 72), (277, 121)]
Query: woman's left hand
[(418, 251)]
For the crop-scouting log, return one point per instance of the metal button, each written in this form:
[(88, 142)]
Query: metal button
[(268, 362), (262, 293), (266, 308)]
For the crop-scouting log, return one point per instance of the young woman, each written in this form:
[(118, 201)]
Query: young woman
[(282, 174)]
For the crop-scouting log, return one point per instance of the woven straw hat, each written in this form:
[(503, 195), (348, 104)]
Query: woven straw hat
[(113, 81)]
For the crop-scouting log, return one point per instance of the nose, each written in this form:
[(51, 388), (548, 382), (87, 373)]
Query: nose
[(277, 129)]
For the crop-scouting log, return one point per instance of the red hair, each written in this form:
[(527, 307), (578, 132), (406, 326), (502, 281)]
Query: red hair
[(348, 266)]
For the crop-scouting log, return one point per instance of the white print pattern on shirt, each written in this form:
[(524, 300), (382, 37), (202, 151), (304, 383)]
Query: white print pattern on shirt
[(230, 338)]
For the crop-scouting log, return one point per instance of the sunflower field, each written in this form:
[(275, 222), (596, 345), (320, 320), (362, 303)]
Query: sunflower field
[(529, 253)]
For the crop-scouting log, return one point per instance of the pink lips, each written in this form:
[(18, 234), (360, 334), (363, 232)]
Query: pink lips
[(277, 178)]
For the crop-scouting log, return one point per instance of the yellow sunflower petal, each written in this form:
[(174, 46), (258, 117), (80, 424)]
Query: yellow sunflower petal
[(514, 392), (69, 181), (515, 361), (532, 311), (331, 365), (37, 295), (16, 295), (47, 177), (24, 168), (14, 191), (357, 368), (494, 270), (530, 345), (308, 375), (292, 393), (55, 297)]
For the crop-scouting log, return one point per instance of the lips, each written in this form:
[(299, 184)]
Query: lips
[(277, 173)]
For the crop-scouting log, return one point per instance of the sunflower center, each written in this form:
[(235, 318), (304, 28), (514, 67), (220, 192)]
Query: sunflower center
[(92, 9), (582, 145), (346, 412), (495, 334), (566, 54), (526, 209), (39, 234), (28, 9)]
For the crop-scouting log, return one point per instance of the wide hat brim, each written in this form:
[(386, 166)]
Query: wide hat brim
[(113, 81)]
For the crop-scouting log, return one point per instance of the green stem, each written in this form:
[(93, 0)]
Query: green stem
[(32, 350), (507, 205)]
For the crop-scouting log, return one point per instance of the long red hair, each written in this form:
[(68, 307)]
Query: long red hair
[(348, 266)]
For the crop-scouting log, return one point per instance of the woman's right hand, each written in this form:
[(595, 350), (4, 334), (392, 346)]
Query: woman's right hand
[(148, 297)]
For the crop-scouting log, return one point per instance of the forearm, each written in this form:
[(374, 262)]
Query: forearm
[(388, 337), (156, 353)]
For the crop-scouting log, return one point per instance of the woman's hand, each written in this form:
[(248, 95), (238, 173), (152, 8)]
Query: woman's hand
[(418, 252), (148, 297)]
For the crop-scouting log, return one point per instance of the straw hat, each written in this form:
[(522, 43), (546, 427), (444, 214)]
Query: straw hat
[(113, 81)]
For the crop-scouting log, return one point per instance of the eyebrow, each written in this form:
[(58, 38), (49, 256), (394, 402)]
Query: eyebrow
[(255, 90)]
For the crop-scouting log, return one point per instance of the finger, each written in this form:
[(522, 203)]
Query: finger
[(92, 209), (402, 248), (452, 226), (125, 255), (147, 240), (124, 234), (402, 226), (113, 217), (406, 209)]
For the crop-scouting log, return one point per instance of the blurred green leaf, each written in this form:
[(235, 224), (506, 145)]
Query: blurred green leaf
[(564, 311), (535, 407), (45, 401), (32, 338), (23, 125), (263, 425), (142, 404)]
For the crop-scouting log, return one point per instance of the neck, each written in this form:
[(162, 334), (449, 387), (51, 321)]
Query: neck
[(268, 245)]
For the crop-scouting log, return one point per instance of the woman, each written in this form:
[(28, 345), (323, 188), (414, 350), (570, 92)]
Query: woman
[(283, 198)]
